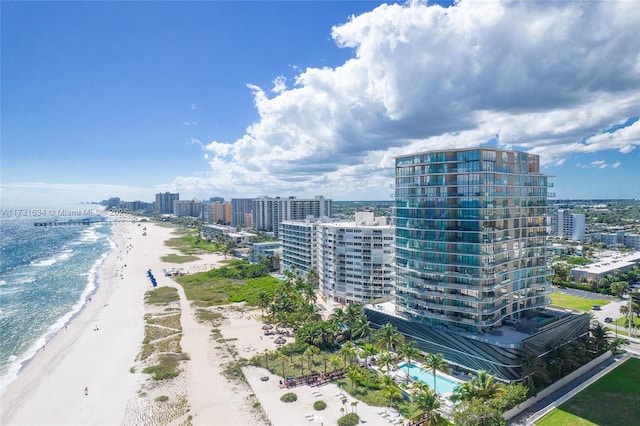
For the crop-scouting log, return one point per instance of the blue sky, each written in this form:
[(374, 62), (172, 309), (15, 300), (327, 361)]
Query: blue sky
[(240, 99)]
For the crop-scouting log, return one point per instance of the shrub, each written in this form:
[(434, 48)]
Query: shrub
[(162, 398), (319, 405), (350, 419), (289, 397)]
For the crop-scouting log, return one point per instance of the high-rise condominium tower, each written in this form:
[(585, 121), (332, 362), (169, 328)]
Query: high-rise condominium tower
[(471, 250)]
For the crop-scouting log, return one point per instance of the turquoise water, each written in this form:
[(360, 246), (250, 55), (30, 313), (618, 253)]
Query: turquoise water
[(46, 276), (442, 384)]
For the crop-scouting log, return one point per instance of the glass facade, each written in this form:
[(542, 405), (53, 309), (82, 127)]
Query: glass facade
[(471, 237)]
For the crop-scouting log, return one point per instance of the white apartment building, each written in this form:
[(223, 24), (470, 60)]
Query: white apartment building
[(355, 259), (298, 245), (569, 225), (619, 239)]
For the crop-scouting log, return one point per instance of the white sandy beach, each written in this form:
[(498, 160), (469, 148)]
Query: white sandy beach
[(100, 346)]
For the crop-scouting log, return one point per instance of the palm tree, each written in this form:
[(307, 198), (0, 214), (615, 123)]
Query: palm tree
[(409, 352), (465, 392), (353, 314), (338, 317), (368, 350), (390, 389), (335, 362), (328, 333), (436, 362), (617, 343), (388, 337), (428, 408), (418, 386), (309, 293), (562, 358), (263, 301), (353, 374), (362, 328), (482, 387), (488, 387), (533, 368), (599, 337), (313, 277), (386, 358), (310, 352), (348, 352)]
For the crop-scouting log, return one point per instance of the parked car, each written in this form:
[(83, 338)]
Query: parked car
[(608, 319), (596, 307)]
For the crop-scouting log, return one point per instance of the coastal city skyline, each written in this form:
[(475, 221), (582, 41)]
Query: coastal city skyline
[(309, 98)]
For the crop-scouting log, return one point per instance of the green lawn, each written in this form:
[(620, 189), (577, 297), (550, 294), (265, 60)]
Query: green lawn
[(574, 302), (613, 400)]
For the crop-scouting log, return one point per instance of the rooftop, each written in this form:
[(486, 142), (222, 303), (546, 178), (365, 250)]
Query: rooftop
[(611, 263)]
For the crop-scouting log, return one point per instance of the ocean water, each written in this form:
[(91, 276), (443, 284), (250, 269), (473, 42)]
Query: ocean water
[(47, 275)]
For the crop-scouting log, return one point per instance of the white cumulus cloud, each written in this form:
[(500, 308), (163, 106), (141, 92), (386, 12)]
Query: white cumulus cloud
[(548, 77)]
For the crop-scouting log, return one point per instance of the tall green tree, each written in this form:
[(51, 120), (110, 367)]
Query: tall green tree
[(409, 351), (435, 363), (390, 389), (475, 412), (368, 350), (534, 372), (353, 374), (428, 409), (386, 358), (388, 337), (599, 337), (562, 359)]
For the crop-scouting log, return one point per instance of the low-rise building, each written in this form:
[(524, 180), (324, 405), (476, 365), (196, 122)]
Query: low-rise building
[(259, 251), (606, 266)]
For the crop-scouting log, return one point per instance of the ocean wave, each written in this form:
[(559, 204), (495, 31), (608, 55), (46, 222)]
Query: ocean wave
[(46, 262), (60, 257), (3, 282), (12, 364), (25, 280)]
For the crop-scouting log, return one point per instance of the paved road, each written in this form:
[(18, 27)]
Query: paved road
[(611, 309)]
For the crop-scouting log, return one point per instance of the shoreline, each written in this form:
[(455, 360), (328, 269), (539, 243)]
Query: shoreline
[(99, 350), (37, 394), (92, 285)]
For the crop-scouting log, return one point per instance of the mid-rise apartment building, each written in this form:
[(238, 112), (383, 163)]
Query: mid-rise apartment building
[(269, 213), (164, 202), (355, 258), (242, 211), (471, 249), (299, 248), (187, 208), (217, 212), (617, 239), (568, 225)]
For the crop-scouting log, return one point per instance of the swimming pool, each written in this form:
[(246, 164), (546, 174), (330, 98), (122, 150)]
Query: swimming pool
[(443, 385)]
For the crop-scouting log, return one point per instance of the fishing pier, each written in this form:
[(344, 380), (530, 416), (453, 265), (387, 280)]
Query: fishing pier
[(83, 221)]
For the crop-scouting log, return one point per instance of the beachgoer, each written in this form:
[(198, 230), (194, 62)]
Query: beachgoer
[(86, 390)]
